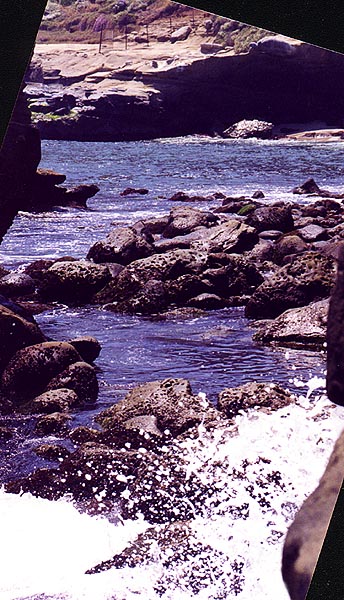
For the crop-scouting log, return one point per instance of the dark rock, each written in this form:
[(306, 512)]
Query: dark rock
[(211, 48), (181, 314), (207, 302), (55, 423), (184, 219), (272, 217), (79, 377), (38, 268), (16, 332), (286, 246), (87, 346), (53, 452), (270, 234), (335, 337), (16, 285), (123, 245), (82, 434), (258, 194), (249, 129), (32, 368), (307, 533), (134, 192), (303, 327), (50, 177), (5, 433), (308, 278), (265, 396), (185, 287), (151, 226), (151, 298), (74, 281), (308, 187), (56, 400), (171, 401), (79, 195)]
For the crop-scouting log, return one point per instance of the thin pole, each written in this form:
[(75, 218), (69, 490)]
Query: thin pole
[(100, 39)]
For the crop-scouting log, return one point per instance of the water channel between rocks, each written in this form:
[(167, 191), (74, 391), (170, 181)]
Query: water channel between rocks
[(214, 351)]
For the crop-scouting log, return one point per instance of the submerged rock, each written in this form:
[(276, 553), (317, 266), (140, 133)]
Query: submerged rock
[(79, 377)]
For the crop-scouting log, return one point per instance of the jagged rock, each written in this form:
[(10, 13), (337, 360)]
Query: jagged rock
[(32, 368), (79, 195), (184, 219), (308, 187), (87, 346), (123, 245), (79, 377), (74, 281), (56, 400), (308, 278), (272, 217), (249, 129), (303, 327), (265, 396), (171, 401), (307, 533)]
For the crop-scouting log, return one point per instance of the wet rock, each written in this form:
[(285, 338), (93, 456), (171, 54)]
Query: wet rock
[(183, 313), (134, 192), (15, 285), (265, 396), (184, 219), (171, 401), (258, 194), (53, 452), (185, 287), (32, 368), (307, 533), (150, 299), (87, 346), (249, 129), (74, 281), (308, 278), (5, 433), (37, 269), (155, 225), (57, 400), (51, 177), (272, 217), (303, 327), (207, 302), (16, 333), (83, 434), (55, 423), (123, 245), (308, 187), (79, 377), (79, 195)]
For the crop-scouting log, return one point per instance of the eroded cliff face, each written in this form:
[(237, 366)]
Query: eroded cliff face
[(118, 96), (19, 158)]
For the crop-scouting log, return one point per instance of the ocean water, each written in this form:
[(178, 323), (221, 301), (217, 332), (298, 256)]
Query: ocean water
[(50, 545)]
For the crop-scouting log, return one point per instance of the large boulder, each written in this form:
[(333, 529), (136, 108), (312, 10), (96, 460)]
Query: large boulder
[(308, 278), (232, 236), (74, 281), (181, 34), (272, 217), (32, 368), (265, 396), (303, 327), (184, 219), (16, 285), (307, 533), (57, 400), (171, 401), (123, 245), (249, 129), (16, 333)]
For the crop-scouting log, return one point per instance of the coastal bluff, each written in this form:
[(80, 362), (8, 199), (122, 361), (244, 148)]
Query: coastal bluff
[(166, 90)]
